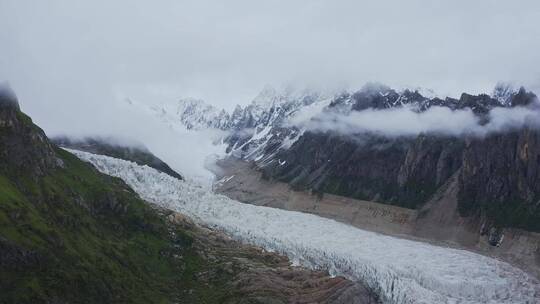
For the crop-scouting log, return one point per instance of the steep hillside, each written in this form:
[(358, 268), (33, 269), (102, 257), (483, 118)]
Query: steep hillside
[(69, 234)]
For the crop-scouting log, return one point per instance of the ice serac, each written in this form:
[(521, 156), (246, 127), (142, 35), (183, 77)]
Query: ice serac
[(400, 271)]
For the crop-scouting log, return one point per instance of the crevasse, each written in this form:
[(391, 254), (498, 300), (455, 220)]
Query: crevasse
[(399, 270)]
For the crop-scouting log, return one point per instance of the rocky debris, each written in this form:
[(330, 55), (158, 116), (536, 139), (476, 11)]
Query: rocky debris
[(257, 276)]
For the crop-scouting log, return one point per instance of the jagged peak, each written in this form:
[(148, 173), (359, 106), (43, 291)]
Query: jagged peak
[(424, 92), (267, 97), (522, 97), (503, 92), (8, 98)]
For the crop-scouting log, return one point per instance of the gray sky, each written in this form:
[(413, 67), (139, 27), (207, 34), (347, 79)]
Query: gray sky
[(70, 60)]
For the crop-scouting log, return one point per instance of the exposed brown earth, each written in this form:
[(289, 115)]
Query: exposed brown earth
[(437, 222), (257, 276)]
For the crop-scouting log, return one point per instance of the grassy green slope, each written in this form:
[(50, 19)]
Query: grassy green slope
[(77, 236)]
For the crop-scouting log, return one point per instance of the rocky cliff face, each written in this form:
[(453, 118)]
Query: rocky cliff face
[(498, 173), (500, 178), (401, 171)]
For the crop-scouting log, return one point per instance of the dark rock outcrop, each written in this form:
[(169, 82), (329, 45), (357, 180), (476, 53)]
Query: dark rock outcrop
[(500, 178), (402, 171)]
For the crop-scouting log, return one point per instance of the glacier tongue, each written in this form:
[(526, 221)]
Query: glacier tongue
[(400, 271)]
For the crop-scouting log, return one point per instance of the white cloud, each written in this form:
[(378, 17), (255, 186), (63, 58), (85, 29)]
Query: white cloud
[(405, 121)]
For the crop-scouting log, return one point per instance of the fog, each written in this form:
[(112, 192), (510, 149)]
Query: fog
[(186, 151), (72, 62), (406, 121)]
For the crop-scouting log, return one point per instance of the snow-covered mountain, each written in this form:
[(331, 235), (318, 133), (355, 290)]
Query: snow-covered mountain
[(271, 122), (378, 96), (265, 123), (253, 128), (196, 114)]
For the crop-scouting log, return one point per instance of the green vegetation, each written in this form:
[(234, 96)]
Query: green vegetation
[(512, 213), (78, 236)]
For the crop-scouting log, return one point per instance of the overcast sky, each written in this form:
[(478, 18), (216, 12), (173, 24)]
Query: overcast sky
[(70, 60)]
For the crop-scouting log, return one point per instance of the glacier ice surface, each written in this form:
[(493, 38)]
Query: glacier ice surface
[(399, 270)]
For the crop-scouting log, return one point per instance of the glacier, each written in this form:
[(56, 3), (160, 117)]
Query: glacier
[(399, 270)]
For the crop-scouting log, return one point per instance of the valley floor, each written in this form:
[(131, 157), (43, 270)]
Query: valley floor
[(398, 270), (437, 223)]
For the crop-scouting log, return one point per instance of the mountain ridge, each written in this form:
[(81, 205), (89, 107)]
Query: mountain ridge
[(402, 170)]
